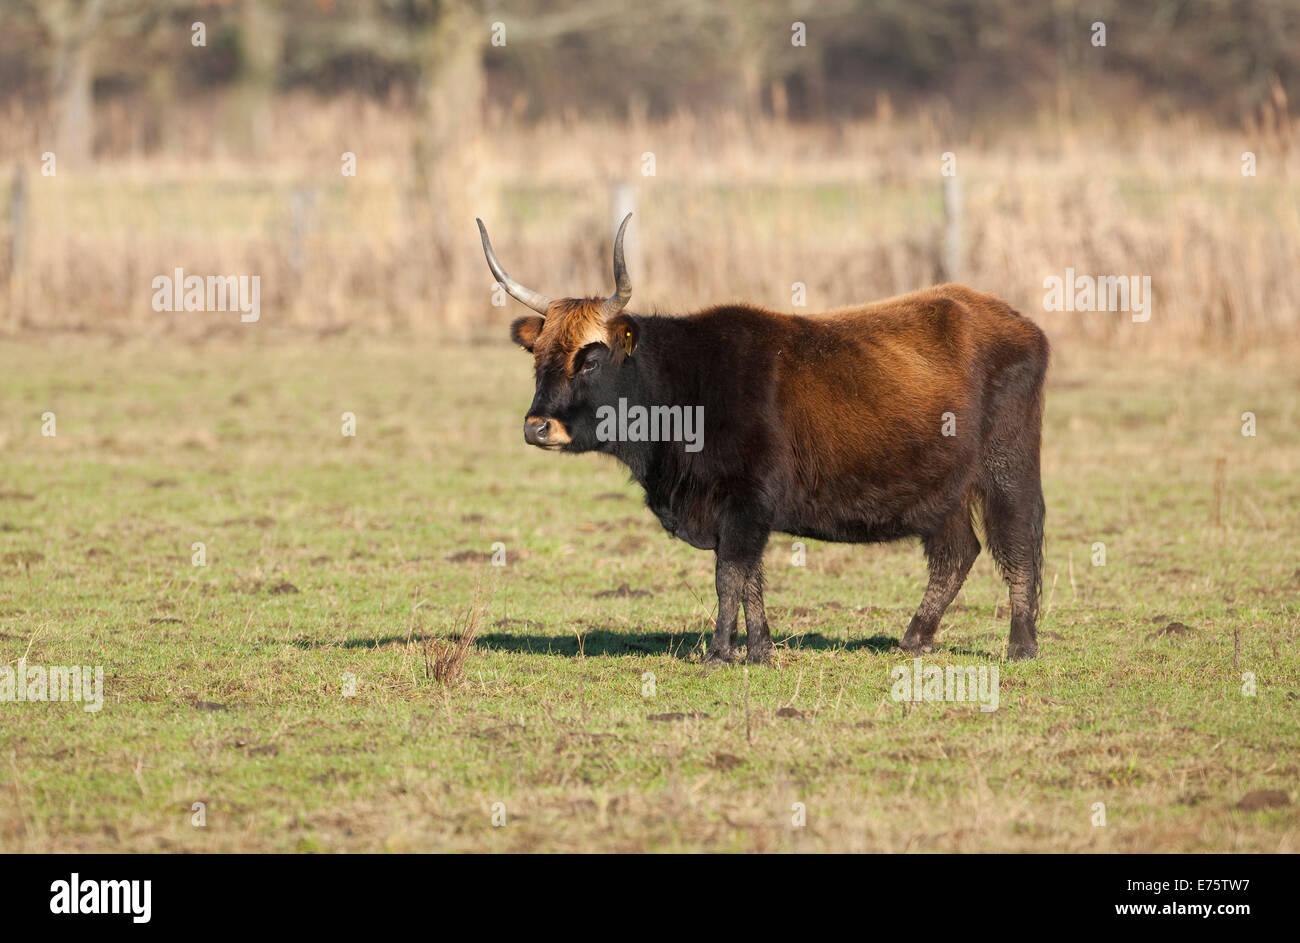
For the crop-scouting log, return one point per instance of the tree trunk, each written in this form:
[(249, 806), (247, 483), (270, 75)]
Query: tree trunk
[(446, 165), (74, 135)]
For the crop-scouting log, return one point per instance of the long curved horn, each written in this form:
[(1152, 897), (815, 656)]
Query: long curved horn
[(618, 301), (535, 300)]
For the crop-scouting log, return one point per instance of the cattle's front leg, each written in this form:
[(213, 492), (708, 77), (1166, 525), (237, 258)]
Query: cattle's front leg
[(740, 582), (730, 581), (758, 645)]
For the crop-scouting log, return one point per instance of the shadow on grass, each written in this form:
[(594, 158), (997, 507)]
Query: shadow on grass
[(678, 644), (379, 642), (604, 642)]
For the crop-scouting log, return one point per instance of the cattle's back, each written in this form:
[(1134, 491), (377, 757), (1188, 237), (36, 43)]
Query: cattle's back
[(888, 395)]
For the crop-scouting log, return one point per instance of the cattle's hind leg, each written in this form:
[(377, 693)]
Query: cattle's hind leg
[(1014, 528), (950, 550)]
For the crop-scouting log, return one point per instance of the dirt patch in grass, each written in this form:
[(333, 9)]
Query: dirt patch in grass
[(1263, 799), (1172, 630), (623, 591)]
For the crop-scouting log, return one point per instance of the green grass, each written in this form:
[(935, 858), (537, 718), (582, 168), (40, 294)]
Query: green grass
[(385, 537)]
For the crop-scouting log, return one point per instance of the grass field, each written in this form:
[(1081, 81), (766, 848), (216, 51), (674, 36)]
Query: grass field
[(331, 556)]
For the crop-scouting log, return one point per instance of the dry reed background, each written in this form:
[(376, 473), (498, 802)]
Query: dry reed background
[(737, 209)]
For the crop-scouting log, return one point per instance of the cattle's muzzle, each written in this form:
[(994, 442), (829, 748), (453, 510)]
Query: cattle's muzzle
[(545, 433)]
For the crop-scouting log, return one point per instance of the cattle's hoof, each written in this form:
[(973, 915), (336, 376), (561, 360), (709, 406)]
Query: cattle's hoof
[(760, 656), (916, 646), (1018, 651), (721, 656)]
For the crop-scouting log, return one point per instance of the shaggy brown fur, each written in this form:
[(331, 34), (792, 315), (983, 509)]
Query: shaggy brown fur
[(893, 419)]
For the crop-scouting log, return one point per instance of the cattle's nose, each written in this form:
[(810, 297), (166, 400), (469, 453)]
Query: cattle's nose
[(537, 431)]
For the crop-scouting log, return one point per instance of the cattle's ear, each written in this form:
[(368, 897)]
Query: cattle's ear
[(623, 336), (525, 330)]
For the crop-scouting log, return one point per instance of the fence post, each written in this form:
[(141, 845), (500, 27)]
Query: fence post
[(301, 202), (17, 239), (953, 249)]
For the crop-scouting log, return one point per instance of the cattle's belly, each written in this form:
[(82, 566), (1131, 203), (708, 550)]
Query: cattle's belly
[(840, 530), (858, 510)]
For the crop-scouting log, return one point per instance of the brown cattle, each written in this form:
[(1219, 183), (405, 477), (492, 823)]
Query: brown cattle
[(902, 418)]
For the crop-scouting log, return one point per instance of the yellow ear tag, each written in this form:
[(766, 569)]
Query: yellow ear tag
[(629, 344)]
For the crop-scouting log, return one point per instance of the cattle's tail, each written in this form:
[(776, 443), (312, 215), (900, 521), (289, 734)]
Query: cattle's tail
[(1010, 485)]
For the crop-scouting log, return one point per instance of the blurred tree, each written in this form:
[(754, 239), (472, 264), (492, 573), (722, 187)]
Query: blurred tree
[(617, 57), (450, 101), (261, 49), (71, 25)]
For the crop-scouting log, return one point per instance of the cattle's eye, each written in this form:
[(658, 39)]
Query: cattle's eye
[(589, 366)]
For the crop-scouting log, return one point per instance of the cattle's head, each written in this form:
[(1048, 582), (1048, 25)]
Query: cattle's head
[(578, 347)]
